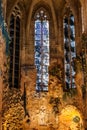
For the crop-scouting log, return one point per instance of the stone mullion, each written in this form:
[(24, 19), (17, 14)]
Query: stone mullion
[(2, 61), (41, 55), (51, 41), (19, 53), (70, 52), (14, 52), (30, 46)]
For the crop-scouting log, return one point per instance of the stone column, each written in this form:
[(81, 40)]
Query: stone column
[(84, 29), (2, 52)]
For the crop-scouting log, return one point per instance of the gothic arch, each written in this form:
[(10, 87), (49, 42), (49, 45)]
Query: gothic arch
[(34, 7), (20, 6), (75, 11), (78, 21), (9, 11), (40, 5), (18, 27)]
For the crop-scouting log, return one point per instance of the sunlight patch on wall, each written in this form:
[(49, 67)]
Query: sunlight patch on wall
[(70, 119)]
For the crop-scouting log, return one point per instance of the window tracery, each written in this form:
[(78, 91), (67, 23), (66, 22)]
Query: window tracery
[(42, 49), (69, 49), (14, 31)]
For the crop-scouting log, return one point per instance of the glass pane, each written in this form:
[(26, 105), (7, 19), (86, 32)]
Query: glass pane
[(37, 43), (45, 25), (11, 46), (69, 51), (38, 31), (37, 25), (42, 53), (66, 31), (72, 19), (37, 37), (45, 37), (45, 49), (45, 32), (46, 43)]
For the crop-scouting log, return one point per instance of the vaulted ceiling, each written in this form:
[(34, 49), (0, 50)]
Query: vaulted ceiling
[(57, 4)]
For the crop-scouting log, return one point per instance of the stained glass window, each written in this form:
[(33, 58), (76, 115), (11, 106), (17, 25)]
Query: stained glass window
[(42, 50), (69, 51), (14, 51)]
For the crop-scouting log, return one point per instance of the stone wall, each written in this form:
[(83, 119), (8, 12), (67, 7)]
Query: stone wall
[(44, 108), (2, 61), (26, 109), (31, 110)]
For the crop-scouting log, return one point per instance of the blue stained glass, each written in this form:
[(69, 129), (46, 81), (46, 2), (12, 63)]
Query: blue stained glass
[(38, 47), (71, 22), (38, 31), (37, 37), (73, 44), (70, 51), (66, 31), (37, 25), (45, 78), (37, 54), (46, 61), (45, 37), (45, 25), (66, 20), (72, 18), (45, 49), (38, 61), (72, 29), (46, 68), (44, 71), (45, 32), (42, 52), (46, 43), (39, 69), (37, 43)]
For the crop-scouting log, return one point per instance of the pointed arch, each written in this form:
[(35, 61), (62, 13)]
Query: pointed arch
[(41, 43), (35, 6), (69, 49), (14, 31)]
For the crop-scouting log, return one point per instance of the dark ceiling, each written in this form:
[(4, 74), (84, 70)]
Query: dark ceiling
[(58, 4)]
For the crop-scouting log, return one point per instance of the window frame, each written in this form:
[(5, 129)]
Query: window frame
[(72, 60), (42, 88), (16, 40)]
